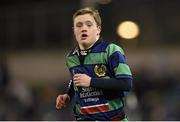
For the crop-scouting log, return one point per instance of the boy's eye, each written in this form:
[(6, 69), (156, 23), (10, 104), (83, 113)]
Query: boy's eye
[(88, 24), (79, 25)]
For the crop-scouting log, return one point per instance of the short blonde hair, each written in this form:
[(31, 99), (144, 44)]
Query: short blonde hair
[(89, 10)]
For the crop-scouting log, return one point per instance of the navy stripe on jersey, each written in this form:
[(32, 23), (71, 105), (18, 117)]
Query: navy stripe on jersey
[(124, 76), (87, 69), (115, 59), (84, 103), (105, 92), (100, 47)]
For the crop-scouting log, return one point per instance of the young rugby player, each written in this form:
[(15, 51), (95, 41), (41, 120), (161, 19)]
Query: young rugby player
[(99, 70)]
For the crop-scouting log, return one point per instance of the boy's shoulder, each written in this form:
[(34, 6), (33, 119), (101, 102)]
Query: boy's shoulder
[(113, 47), (109, 44), (101, 45)]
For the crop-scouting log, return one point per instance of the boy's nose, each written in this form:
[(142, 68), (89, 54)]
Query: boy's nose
[(84, 27), (83, 30)]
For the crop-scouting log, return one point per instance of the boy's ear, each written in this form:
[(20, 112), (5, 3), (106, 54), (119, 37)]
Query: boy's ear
[(99, 28)]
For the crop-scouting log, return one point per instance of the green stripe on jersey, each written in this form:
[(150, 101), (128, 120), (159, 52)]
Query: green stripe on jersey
[(112, 48), (95, 58), (78, 107), (115, 104), (122, 69), (75, 88), (125, 119), (72, 61)]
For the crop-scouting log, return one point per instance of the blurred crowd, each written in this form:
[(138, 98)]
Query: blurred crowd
[(154, 97), (157, 94), (33, 100)]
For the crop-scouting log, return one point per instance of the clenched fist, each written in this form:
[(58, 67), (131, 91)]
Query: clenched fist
[(62, 100), (82, 80)]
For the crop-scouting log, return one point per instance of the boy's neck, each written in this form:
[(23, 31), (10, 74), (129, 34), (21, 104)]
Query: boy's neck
[(86, 47)]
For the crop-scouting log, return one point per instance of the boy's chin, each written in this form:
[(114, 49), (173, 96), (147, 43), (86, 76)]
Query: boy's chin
[(84, 41), (85, 44)]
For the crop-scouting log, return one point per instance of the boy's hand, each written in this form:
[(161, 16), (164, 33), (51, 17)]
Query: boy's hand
[(61, 101), (82, 80)]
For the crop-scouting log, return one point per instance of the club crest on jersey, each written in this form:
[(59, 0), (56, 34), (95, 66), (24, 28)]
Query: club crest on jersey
[(100, 70)]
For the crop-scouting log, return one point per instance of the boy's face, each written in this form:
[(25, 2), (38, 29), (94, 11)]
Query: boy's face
[(86, 30)]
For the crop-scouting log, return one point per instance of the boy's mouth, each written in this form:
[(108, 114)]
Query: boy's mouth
[(84, 36)]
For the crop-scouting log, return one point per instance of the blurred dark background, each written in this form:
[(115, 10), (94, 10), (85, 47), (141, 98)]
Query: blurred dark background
[(36, 35)]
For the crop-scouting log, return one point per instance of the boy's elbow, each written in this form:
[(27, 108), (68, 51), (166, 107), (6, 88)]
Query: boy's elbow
[(129, 84)]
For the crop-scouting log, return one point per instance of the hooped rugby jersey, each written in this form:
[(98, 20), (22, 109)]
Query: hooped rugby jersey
[(103, 60)]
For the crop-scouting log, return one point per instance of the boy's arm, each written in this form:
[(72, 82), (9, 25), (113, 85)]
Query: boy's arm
[(112, 83), (70, 89)]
